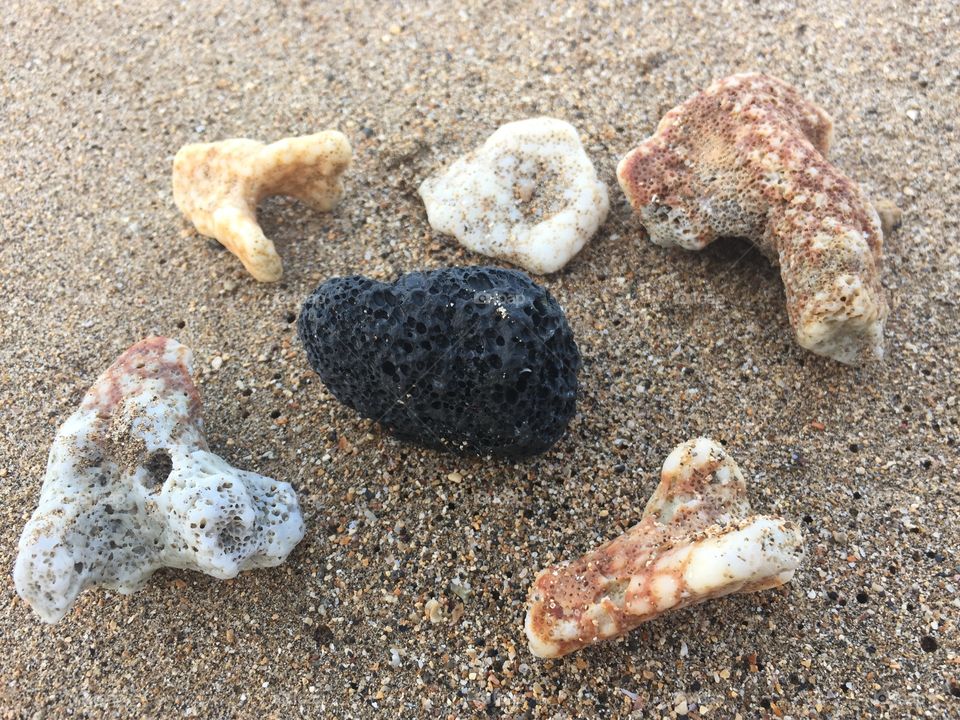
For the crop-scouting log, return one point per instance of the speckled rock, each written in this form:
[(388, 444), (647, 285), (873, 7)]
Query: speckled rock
[(473, 359), (529, 195), (132, 487), (745, 158), (697, 540)]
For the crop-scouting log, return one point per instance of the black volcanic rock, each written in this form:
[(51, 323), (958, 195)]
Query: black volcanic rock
[(474, 359)]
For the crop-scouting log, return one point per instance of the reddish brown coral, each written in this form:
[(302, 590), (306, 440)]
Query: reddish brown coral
[(745, 158), (697, 540)]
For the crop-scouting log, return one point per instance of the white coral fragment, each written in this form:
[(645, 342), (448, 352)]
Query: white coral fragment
[(528, 195), (697, 540), (131, 487), (218, 186)]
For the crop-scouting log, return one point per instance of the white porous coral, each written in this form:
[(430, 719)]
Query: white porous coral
[(697, 540), (746, 157), (132, 487), (528, 195)]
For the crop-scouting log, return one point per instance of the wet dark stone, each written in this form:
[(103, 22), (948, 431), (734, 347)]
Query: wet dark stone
[(478, 359)]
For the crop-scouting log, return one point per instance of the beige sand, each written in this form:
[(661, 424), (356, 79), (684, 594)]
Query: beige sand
[(95, 101)]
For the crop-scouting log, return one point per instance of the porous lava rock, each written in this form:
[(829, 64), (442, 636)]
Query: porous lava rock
[(475, 359)]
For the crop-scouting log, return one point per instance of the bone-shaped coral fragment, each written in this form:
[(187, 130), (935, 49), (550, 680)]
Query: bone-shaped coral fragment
[(218, 186), (746, 158), (697, 540), (131, 486), (529, 195)]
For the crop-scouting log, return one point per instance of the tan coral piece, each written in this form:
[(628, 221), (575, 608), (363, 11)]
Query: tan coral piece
[(745, 158), (697, 540), (219, 185)]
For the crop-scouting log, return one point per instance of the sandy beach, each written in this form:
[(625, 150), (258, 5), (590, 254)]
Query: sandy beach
[(406, 597)]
